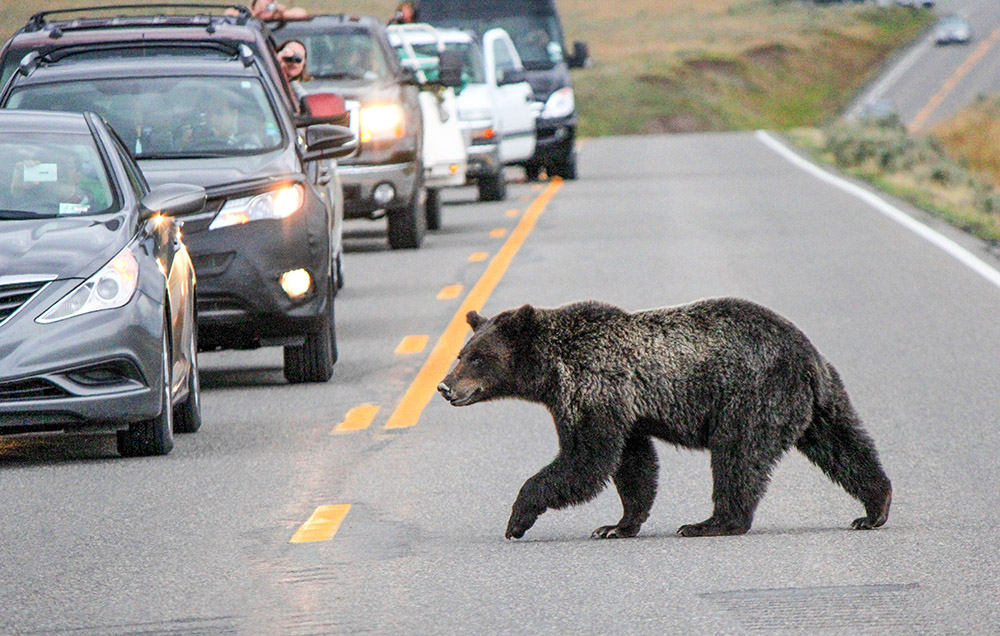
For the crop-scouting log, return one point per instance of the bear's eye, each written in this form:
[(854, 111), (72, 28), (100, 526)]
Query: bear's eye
[(476, 360)]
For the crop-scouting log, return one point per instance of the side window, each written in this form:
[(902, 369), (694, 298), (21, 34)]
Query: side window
[(502, 58), (135, 177)]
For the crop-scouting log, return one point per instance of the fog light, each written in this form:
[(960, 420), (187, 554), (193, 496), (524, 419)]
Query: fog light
[(296, 283), (383, 194)]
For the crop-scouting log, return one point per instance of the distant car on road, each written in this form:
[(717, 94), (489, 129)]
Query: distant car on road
[(97, 291), (952, 29)]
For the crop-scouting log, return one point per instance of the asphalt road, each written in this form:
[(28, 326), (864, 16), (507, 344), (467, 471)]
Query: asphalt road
[(927, 83), (200, 541)]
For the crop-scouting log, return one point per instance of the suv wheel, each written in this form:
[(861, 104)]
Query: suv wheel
[(187, 415), (564, 167), (532, 170), (313, 360), (407, 225), (154, 436), (492, 187), (432, 208)]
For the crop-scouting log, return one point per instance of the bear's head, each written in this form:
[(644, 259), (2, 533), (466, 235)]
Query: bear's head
[(496, 362)]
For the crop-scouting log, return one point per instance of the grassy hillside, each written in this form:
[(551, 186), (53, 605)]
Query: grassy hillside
[(689, 65)]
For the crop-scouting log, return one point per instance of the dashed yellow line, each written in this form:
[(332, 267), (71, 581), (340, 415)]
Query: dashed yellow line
[(951, 82), (423, 387), (476, 257), (322, 525), (512, 213), (500, 232), (357, 419), (412, 344), (449, 292)]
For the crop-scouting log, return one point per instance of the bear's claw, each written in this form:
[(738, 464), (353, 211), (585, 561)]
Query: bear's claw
[(614, 532)]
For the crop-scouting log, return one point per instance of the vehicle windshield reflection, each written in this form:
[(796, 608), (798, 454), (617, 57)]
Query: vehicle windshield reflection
[(170, 117), (52, 175)]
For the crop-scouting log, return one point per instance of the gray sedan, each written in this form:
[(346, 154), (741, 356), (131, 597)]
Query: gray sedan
[(97, 314)]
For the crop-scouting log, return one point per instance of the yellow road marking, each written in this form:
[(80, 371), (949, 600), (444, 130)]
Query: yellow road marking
[(511, 213), (449, 292), (951, 82), (322, 525), (475, 257), (423, 387), (358, 418), (498, 233), (412, 344)]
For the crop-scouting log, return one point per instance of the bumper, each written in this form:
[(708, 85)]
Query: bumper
[(360, 181), (484, 159), (241, 304), (556, 138), (90, 372)]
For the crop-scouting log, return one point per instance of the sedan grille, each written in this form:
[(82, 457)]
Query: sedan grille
[(32, 389), (14, 295)]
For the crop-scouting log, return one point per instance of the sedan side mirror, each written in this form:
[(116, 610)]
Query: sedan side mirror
[(328, 141), (322, 108), (173, 199)]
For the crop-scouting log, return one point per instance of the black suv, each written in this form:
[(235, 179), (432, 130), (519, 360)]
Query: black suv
[(351, 56), (195, 106)]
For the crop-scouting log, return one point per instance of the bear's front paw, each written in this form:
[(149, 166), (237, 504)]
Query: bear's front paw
[(519, 524), (614, 532)]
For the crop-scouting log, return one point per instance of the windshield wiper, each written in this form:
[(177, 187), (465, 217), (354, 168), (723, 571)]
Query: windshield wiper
[(22, 215), (342, 75)]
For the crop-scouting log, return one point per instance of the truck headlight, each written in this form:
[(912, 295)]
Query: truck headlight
[(382, 123), (559, 104), (112, 286), (276, 204)]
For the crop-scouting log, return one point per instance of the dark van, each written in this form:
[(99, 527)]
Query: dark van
[(537, 33)]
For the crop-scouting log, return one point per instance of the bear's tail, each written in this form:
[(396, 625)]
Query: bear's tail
[(836, 442)]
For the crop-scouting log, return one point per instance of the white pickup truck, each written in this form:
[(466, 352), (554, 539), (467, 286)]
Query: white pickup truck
[(496, 110)]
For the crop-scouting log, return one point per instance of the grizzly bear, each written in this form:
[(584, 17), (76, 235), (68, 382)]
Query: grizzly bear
[(725, 375)]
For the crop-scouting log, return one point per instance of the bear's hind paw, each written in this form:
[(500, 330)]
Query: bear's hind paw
[(711, 528), (614, 532)]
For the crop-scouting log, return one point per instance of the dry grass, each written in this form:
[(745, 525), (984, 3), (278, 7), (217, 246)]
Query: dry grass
[(684, 65), (973, 136)]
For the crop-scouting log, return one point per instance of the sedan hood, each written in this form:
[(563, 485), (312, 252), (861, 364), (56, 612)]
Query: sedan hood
[(220, 170), (63, 247)]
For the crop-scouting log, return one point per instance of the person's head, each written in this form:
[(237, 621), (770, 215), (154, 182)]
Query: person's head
[(405, 12), (292, 56), (223, 116)]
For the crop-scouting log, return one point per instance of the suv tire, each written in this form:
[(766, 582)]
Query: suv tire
[(313, 360), (407, 225), (564, 167), (432, 209), (492, 187)]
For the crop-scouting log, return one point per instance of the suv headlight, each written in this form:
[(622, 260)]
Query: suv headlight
[(559, 104), (276, 204), (382, 123), (112, 286)]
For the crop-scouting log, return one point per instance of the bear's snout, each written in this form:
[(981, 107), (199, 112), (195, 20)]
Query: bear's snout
[(445, 391)]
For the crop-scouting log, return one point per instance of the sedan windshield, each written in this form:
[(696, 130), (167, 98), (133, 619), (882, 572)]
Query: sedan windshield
[(45, 174), (169, 117)]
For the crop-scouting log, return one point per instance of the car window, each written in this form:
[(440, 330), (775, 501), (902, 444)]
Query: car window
[(344, 55), (538, 38), (47, 174), (502, 58), (169, 117)]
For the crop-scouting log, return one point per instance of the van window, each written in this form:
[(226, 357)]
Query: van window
[(504, 60)]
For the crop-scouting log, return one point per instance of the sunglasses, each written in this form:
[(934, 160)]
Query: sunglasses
[(292, 59)]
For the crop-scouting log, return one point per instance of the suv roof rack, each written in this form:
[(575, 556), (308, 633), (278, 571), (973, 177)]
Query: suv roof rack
[(40, 20)]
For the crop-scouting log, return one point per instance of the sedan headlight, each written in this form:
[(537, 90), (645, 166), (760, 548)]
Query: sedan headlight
[(382, 123), (276, 204), (112, 286), (559, 104)]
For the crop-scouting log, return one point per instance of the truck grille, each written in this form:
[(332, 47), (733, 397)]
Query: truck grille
[(14, 295)]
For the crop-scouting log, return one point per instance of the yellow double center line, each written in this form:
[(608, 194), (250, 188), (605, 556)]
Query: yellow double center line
[(420, 392), (921, 117)]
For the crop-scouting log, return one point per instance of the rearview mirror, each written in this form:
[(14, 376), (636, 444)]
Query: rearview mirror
[(327, 141), (450, 68), (322, 108), (510, 76), (173, 199)]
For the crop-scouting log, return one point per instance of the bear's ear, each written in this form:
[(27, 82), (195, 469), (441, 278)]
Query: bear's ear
[(475, 320), (518, 321)]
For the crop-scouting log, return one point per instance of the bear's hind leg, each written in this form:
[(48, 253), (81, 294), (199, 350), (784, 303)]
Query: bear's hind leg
[(635, 480), (739, 480), (836, 443)]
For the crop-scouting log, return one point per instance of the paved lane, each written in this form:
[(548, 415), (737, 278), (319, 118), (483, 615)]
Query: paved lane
[(198, 542)]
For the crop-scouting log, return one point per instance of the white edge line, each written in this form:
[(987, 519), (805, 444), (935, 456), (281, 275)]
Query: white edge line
[(890, 78), (937, 239)]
